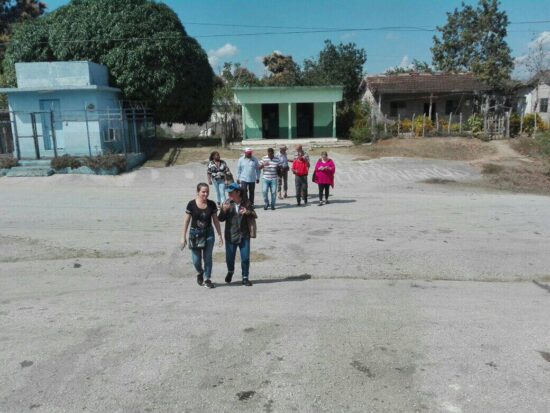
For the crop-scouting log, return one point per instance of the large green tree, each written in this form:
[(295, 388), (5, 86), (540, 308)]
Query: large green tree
[(340, 64), (473, 39), (142, 42), (284, 71)]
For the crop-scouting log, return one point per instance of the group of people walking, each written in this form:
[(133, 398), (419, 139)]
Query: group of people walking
[(235, 204)]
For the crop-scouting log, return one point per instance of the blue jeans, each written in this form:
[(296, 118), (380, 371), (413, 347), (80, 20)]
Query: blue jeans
[(219, 185), (231, 252), (200, 254), (269, 185)]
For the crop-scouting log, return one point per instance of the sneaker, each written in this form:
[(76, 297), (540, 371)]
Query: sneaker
[(321, 203), (326, 202), (247, 283), (229, 277), (209, 284), (200, 279)]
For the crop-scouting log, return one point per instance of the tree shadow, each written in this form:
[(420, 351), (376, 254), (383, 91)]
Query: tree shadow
[(292, 278)]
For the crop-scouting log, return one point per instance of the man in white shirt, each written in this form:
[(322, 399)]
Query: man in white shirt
[(270, 165), (283, 174)]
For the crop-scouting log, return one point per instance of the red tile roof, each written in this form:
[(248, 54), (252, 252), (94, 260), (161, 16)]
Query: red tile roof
[(425, 82)]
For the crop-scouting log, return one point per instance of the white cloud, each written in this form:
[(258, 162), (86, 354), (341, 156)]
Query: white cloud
[(405, 62), (391, 36), (227, 50), (543, 38)]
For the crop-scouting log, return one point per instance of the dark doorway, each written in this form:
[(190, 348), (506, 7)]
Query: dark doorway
[(304, 119), (427, 110), (270, 121)]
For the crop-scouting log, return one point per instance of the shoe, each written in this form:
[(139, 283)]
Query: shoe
[(265, 207), (299, 203), (279, 196), (321, 203), (200, 279), (285, 195), (326, 202), (273, 207), (247, 283), (229, 277), (209, 284)]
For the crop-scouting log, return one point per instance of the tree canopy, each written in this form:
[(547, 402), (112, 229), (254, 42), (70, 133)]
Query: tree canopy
[(283, 70), (473, 39), (143, 43), (416, 66), (340, 64)]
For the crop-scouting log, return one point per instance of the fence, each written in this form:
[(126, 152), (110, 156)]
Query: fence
[(491, 126), (85, 132)]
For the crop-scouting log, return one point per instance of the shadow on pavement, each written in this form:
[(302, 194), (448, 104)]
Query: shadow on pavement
[(237, 282)]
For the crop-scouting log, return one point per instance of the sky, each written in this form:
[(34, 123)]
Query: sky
[(214, 24)]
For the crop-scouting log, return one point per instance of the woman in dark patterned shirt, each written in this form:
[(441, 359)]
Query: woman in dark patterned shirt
[(217, 171)]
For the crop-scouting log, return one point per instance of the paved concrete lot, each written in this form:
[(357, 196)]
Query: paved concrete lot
[(398, 296)]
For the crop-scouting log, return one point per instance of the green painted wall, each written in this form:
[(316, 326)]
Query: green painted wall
[(322, 120), (297, 94), (253, 121), (283, 120)]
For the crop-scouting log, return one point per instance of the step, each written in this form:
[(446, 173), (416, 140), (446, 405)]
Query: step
[(24, 171), (35, 162)]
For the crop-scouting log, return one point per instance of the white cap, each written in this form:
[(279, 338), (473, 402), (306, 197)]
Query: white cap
[(248, 150)]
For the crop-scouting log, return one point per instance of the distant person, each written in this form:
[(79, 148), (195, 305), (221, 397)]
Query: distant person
[(324, 176), (301, 152), (239, 219), (217, 172), (283, 173), (270, 165), (248, 175), (300, 169), (201, 213)]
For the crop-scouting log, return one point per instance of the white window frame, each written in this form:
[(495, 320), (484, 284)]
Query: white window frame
[(112, 135)]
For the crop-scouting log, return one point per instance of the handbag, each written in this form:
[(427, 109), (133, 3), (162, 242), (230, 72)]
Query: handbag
[(197, 238), (314, 176)]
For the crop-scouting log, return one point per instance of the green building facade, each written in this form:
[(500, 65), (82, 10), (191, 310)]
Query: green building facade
[(288, 112)]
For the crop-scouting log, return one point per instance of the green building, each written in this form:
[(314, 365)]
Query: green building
[(288, 112)]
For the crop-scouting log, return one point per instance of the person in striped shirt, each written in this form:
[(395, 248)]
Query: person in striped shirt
[(270, 165)]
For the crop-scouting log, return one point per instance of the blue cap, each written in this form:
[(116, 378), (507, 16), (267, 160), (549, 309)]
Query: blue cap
[(233, 187)]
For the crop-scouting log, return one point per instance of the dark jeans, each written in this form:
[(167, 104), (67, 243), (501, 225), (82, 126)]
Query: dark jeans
[(204, 254), (283, 181), (324, 188), (231, 253), (248, 191), (301, 188)]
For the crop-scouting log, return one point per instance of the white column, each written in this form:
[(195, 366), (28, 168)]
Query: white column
[(289, 121), (243, 120), (334, 119)]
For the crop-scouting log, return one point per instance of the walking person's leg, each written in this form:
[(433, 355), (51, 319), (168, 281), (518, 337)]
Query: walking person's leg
[(244, 190), (221, 190), (304, 188), (230, 253), (196, 256), (298, 183), (207, 256), (327, 191), (285, 183), (280, 186), (251, 190), (244, 248), (273, 188), (321, 187), (265, 187)]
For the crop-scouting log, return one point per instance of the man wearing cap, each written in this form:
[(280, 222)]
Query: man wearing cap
[(283, 173), (270, 165), (248, 175), (240, 221)]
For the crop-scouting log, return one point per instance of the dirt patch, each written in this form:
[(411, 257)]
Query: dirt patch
[(531, 178), (169, 154), (438, 181), (457, 149), (491, 168), (254, 257)]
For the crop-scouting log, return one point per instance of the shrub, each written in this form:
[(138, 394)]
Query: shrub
[(475, 124), (515, 123), (428, 125), (7, 163), (455, 127), (406, 125), (65, 161), (107, 161), (360, 135), (543, 141), (529, 123)]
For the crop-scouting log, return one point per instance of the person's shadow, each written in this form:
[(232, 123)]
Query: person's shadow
[(292, 278)]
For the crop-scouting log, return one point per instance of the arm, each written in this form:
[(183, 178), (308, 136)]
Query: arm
[(186, 221), (239, 170), (209, 175), (331, 167), (258, 171), (223, 215), (218, 229)]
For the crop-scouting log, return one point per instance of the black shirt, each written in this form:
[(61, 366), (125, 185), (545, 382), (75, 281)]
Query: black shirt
[(201, 218)]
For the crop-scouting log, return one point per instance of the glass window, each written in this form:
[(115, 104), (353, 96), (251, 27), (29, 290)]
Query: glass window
[(544, 105)]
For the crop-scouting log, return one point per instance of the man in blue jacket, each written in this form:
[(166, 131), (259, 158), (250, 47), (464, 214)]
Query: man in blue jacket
[(248, 175)]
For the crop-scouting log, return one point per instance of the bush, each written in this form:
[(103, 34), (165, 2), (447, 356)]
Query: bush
[(360, 135), (529, 123), (65, 161), (7, 163), (406, 125), (543, 142), (107, 161), (475, 124), (428, 125)]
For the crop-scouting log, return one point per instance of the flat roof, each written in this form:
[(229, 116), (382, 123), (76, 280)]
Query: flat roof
[(288, 94), (46, 89)]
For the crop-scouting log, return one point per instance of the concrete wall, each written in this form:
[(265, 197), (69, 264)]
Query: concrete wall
[(322, 120), (56, 74), (253, 121), (543, 92), (70, 121), (258, 95)]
